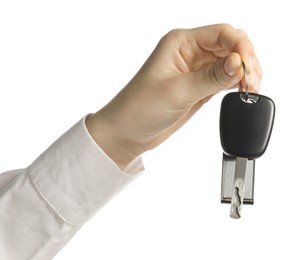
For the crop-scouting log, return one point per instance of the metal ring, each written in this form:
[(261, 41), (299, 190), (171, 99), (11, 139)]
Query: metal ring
[(246, 94)]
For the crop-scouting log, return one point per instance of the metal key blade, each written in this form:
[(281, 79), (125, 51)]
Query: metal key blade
[(238, 187)]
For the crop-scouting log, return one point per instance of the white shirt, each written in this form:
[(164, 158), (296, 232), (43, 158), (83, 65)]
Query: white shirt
[(44, 205)]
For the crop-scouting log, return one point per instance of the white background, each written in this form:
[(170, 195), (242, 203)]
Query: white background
[(62, 59)]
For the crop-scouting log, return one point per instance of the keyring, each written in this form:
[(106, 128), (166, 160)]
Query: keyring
[(245, 95)]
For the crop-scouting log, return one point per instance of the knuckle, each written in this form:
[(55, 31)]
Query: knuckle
[(243, 33), (226, 27), (175, 32), (172, 35)]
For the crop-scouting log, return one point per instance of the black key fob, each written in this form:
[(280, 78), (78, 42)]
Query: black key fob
[(246, 123)]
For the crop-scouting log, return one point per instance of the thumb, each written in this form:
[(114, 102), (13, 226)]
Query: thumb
[(220, 75)]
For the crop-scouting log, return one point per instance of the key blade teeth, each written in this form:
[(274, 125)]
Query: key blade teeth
[(238, 187), (236, 202)]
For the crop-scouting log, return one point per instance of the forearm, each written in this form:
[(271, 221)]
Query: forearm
[(44, 205)]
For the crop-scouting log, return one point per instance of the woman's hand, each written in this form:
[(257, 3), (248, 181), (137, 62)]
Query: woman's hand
[(184, 71)]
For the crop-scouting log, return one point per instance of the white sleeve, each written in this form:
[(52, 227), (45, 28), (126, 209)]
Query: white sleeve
[(42, 206)]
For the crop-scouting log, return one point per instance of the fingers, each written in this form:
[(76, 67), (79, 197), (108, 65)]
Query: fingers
[(220, 75), (205, 61), (224, 39)]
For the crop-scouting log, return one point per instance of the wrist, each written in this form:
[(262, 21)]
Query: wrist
[(120, 150)]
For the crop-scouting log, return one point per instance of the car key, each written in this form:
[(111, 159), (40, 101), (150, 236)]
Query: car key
[(246, 123)]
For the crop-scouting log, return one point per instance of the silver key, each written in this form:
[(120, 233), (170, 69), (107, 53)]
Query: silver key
[(231, 185), (238, 187)]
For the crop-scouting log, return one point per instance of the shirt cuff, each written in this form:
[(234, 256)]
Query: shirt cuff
[(76, 178)]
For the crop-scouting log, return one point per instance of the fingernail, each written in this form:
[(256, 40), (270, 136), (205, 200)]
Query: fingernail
[(230, 66)]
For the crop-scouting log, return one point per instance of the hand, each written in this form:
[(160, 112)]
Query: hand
[(184, 71)]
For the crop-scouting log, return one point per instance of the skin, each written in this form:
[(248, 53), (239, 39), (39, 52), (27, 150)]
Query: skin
[(185, 70)]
